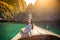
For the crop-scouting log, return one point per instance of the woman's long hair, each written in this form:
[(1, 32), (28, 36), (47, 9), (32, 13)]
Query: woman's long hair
[(32, 23)]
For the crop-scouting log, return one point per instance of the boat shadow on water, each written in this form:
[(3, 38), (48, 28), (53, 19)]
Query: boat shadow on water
[(41, 37)]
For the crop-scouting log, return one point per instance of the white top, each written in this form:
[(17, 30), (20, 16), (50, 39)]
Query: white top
[(28, 28)]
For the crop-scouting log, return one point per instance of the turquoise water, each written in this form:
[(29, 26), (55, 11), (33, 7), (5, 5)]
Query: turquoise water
[(50, 27), (9, 30)]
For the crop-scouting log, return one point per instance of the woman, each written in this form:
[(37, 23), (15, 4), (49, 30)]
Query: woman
[(27, 30)]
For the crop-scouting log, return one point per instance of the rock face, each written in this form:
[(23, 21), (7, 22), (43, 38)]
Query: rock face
[(41, 37), (48, 11)]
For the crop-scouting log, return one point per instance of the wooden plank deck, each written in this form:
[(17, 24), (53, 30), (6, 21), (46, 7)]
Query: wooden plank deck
[(36, 31)]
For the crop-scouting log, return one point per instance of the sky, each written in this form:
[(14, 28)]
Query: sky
[(30, 1)]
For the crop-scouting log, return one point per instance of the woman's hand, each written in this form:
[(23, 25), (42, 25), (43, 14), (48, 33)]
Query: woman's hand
[(22, 31)]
